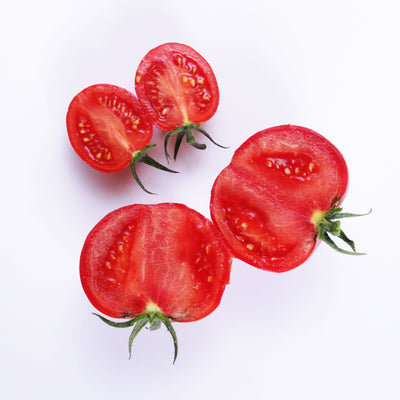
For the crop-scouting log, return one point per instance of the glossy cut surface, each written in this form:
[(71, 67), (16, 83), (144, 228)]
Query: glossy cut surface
[(106, 124), (176, 85), (164, 256), (264, 201)]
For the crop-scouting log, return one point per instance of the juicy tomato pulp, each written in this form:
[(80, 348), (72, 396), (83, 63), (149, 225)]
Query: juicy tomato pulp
[(106, 124), (265, 201), (176, 85), (164, 256)]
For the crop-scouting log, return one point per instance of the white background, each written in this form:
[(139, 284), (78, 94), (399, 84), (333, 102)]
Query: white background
[(326, 330)]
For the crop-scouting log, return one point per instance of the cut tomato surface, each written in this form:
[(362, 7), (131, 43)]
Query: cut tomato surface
[(176, 85), (164, 257), (268, 202), (179, 91), (106, 125)]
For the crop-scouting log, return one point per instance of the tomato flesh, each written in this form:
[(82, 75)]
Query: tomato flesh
[(106, 124), (264, 201), (176, 85), (164, 256)]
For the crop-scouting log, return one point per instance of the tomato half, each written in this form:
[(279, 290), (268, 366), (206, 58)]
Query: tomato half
[(106, 125), (178, 90), (176, 85), (274, 201), (163, 261)]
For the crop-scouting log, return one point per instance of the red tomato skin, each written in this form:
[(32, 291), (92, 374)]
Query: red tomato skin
[(165, 254), (106, 124), (189, 89), (268, 221)]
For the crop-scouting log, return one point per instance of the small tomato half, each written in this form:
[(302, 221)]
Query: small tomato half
[(109, 130), (106, 125), (178, 90)]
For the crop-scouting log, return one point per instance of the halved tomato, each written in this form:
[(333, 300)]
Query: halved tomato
[(109, 130), (154, 263), (106, 125), (279, 195), (178, 90)]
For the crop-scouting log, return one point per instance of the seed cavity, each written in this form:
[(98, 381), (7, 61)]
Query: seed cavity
[(251, 229), (115, 265), (298, 166)]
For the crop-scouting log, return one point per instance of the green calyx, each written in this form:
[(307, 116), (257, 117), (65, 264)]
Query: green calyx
[(142, 156), (328, 224), (155, 319), (187, 130)]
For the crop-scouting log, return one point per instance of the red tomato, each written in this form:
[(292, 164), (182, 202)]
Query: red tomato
[(178, 89), (176, 85), (149, 263), (279, 195), (106, 125), (109, 130)]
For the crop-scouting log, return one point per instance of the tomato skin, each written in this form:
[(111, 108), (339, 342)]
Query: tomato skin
[(106, 124), (165, 255), (176, 85), (285, 174)]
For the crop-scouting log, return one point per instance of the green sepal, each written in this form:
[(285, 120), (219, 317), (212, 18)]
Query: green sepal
[(142, 156), (139, 322), (179, 137), (327, 224), (165, 320), (191, 139), (124, 324), (187, 130)]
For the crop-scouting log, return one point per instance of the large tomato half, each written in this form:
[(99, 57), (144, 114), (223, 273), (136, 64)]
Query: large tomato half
[(166, 257), (176, 85), (106, 125), (269, 201)]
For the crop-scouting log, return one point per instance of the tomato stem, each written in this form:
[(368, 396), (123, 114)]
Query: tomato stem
[(142, 156), (187, 130), (139, 322), (327, 224)]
